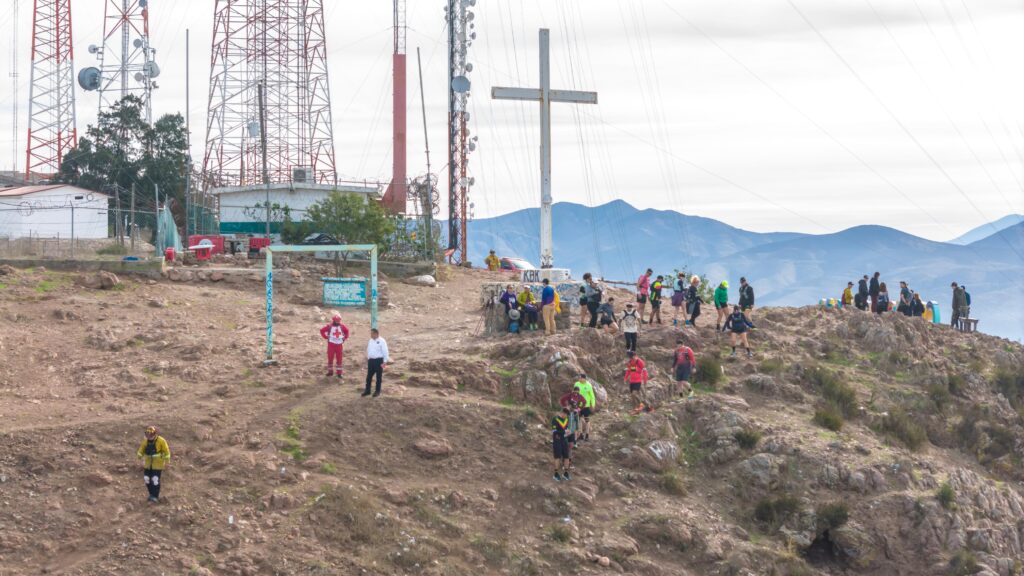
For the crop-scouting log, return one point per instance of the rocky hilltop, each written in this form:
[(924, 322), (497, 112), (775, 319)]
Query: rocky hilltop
[(850, 443)]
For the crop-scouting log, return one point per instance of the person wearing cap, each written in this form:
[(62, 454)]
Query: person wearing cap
[(630, 324), (155, 455), (585, 389), (747, 299), (678, 297), (492, 262), (847, 298), (721, 303), (335, 333), (636, 377)]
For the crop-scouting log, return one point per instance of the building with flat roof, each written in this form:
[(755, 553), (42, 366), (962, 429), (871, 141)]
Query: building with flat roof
[(53, 211), (242, 212)]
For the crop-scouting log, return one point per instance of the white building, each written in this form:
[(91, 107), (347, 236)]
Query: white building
[(238, 204), (52, 211)]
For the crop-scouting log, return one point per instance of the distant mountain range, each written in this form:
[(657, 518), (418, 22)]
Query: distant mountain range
[(986, 230), (617, 241)]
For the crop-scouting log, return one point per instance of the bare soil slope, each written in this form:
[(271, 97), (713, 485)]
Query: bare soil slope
[(282, 471)]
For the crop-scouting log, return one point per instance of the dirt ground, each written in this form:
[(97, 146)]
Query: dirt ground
[(281, 470)]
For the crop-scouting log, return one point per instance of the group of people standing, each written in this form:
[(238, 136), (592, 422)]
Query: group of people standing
[(873, 294)]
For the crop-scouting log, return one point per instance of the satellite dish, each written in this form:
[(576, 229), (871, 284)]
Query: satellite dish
[(460, 84), (137, 43), (469, 67), (139, 76), (254, 129), (472, 146), (89, 78), (151, 69), (93, 49), (470, 16), (143, 3)]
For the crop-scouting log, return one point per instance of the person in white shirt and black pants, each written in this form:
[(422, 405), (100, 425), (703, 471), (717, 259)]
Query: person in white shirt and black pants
[(376, 358)]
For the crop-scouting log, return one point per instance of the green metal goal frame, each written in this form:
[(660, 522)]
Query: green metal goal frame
[(269, 279)]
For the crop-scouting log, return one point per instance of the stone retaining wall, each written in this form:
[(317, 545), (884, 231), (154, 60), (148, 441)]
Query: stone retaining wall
[(152, 268)]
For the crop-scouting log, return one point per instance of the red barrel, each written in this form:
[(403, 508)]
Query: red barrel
[(169, 254)]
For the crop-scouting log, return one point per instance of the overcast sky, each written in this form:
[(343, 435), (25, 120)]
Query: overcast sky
[(803, 115)]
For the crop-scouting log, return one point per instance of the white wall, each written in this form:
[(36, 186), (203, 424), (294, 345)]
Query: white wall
[(233, 204), (47, 214)]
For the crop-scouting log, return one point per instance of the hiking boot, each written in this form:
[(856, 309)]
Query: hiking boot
[(566, 476), (750, 354), (557, 477), (365, 393), (376, 393), (732, 354), (338, 374), (152, 500), (330, 373)]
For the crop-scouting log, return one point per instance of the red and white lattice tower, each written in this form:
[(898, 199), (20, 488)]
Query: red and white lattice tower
[(51, 101), (281, 44), (395, 197), (126, 61)]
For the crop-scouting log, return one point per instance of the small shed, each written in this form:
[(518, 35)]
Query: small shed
[(52, 211)]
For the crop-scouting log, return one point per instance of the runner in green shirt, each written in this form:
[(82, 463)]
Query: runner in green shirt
[(586, 389)]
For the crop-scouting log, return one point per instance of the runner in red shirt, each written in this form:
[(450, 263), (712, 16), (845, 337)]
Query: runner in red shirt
[(636, 377)]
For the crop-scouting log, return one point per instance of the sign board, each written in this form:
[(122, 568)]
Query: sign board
[(554, 275), (344, 291)]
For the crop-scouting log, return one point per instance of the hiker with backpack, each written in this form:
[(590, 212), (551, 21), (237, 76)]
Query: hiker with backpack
[(721, 303), (574, 402), (737, 324), (683, 362), (606, 312), (693, 300), (906, 296), (630, 323), (957, 310), (678, 297), (335, 333), (882, 300), (636, 376), (655, 297), (585, 389), (861, 300), (593, 292), (643, 288), (747, 298)]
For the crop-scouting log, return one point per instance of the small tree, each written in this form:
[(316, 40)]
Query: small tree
[(352, 219)]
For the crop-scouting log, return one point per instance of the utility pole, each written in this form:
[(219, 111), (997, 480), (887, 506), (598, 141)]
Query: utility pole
[(189, 205), (428, 199), (156, 198), (131, 227), (72, 229), (263, 146)]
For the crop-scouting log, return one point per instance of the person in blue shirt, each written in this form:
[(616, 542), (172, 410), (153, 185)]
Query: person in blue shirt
[(509, 300), (738, 324), (547, 310)]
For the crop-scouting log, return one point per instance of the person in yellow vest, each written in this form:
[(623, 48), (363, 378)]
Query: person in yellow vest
[(492, 262), (155, 455), (848, 295)]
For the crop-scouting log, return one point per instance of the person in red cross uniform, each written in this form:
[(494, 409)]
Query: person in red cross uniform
[(335, 333)]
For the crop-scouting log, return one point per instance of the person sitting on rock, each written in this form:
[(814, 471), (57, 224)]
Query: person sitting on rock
[(636, 377), (586, 389), (509, 300), (155, 455), (527, 308), (737, 324), (682, 365), (335, 333), (606, 312), (560, 445)]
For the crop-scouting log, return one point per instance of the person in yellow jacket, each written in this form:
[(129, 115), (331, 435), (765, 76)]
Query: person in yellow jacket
[(155, 455), (847, 299), (492, 261)]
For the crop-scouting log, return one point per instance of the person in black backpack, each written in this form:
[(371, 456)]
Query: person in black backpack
[(693, 300), (747, 299), (861, 301), (592, 291), (737, 324), (882, 300), (873, 290), (630, 324)]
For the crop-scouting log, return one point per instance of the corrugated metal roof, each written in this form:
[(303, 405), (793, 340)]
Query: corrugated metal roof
[(24, 190)]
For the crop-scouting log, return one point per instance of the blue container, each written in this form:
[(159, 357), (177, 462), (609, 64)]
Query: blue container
[(936, 316)]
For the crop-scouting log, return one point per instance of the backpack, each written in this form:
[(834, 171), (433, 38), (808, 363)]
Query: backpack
[(683, 356)]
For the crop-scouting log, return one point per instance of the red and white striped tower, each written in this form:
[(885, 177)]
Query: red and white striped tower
[(395, 197), (280, 44), (51, 101)]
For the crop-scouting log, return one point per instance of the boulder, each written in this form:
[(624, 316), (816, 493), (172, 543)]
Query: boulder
[(7, 270), (425, 280), (617, 546), (531, 387), (216, 276), (762, 470), (432, 448), (98, 478)]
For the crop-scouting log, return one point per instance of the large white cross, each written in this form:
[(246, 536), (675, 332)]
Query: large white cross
[(545, 95)]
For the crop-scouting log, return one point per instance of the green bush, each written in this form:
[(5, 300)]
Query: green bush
[(833, 389), (939, 394), (709, 371), (113, 250), (956, 384), (946, 496), (672, 483), (560, 533), (828, 417), (963, 563), (747, 438), (832, 515), (903, 426), (1011, 385), (772, 365), (774, 511)]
